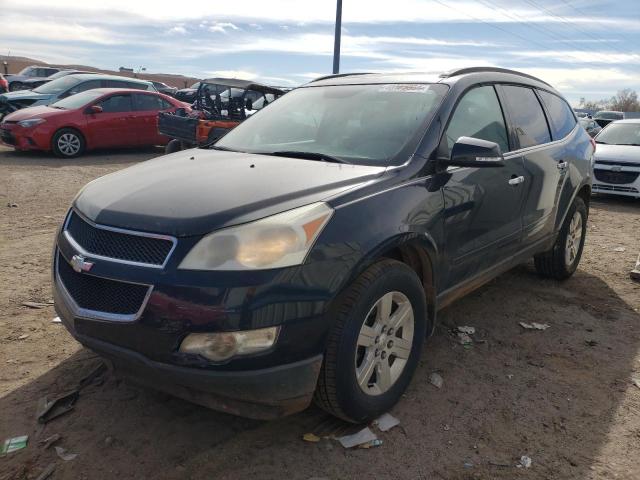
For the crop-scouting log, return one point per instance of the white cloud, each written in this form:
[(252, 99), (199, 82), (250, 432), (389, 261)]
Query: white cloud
[(579, 56), (222, 27), (242, 74), (178, 30), (19, 27)]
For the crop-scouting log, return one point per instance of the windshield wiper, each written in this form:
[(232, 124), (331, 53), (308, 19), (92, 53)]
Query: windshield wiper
[(323, 157)]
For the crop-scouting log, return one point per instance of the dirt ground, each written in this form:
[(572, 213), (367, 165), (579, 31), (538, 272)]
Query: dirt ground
[(563, 397)]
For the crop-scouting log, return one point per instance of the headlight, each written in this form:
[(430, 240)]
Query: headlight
[(281, 240), (225, 345), (31, 123)]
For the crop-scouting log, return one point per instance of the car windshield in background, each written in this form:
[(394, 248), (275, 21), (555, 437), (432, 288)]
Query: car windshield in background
[(195, 85), (77, 101), (610, 115), (59, 85), (620, 134), (368, 124), (26, 71)]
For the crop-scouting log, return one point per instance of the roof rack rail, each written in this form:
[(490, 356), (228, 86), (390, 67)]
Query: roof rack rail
[(338, 75), (463, 71)]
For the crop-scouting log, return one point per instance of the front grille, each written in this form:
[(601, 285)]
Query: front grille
[(101, 294), (118, 245), (7, 137), (617, 178), (614, 188)]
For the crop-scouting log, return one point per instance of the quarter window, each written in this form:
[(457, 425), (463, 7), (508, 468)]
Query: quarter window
[(561, 116), (527, 116), (478, 115), (150, 102)]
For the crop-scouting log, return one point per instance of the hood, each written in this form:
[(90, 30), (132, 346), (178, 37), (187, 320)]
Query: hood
[(24, 95), (196, 191), (33, 112), (617, 153)]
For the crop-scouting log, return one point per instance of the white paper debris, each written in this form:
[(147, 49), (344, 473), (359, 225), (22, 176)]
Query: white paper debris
[(534, 326), (62, 453), (525, 461), (386, 422), (363, 436), (436, 380), (467, 330)]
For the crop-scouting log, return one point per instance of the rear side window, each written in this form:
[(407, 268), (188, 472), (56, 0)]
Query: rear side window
[(116, 103), (150, 102), (478, 115), (527, 116), (561, 116)]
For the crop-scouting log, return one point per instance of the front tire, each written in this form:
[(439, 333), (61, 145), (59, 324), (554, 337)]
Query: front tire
[(561, 261), (380, 323), (173, 146), (68, 143)]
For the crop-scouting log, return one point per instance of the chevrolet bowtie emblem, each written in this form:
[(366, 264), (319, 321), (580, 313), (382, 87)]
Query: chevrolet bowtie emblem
[(79, 264)]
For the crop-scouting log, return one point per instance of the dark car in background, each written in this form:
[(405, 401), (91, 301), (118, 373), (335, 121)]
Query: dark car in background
[(188, 95), (32, 83), (64, 87), (164, 88), (305, 255), (605, 117), (98, 118), (16, 82), (590, 125)]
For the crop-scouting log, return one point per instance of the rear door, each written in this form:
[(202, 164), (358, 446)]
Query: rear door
[(545, 162), (113, 127), (482, 205), (145, 118)]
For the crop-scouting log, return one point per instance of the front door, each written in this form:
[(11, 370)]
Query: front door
[(482, 220), (113, 126)]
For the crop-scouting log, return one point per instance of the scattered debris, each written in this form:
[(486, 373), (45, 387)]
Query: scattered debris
[(534, 326), (635, 273), (94, 377), (46, 473), (47, 442), (591, 343), (524, 462), (37, 305), (49, 410), (436, 380), (509, 376), (23, 337), (446, 428), (373, 443), (464, 339), (636, 381), (62, 453), (468, 464), (56, 320), (467, 330), (386, 422), (363, 436), (12, 205), (619, 249), (311, 437), (12, 444)]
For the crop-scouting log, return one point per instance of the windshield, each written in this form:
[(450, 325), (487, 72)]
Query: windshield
[(61, 74), (620, 134), (26, 71), (195, 86), (58, 86), (368, 124), (78, 100)]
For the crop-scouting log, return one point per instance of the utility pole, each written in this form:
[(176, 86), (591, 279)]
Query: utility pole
[(336, 45)]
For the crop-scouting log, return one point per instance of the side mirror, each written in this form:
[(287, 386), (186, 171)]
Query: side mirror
[(249, 104), (474, 152), (95, 109)]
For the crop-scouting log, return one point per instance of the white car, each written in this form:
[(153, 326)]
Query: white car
[(617, 159)]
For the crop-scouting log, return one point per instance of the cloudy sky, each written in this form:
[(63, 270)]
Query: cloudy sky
[(585, 48)]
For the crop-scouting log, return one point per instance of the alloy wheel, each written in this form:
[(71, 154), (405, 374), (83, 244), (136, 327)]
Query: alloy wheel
[(384, 343), (69, 144), (574, 238)]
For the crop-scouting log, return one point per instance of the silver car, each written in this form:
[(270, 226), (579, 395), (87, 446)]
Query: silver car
[(65, 87), (617, 159)]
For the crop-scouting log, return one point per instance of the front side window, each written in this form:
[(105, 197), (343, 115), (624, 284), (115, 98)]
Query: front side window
[(478, 115), (77, 101), (527, 116), (366, 124), (116, 104), (561, 116)]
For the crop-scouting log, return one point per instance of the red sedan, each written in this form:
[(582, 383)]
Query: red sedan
[(99, 118)]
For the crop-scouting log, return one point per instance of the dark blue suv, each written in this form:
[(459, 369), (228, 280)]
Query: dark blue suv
[(306, 254)]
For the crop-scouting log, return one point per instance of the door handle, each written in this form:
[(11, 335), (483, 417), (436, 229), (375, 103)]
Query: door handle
[(516, 180), (562, 165)]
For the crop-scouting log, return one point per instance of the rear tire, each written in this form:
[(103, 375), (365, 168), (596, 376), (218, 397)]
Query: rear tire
[(173, 146), (372, 355), (68, 143), (561, 261)]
